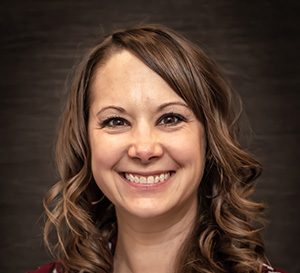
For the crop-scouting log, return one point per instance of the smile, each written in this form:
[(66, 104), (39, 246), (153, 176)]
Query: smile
[(147, 180)]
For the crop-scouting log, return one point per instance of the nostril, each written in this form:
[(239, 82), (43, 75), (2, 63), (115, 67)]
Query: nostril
[(145, 151)]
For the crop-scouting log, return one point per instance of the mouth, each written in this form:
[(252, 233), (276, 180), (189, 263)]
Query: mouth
[(147, 179)]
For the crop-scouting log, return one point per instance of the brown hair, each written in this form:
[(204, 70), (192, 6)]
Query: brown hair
[(226, 235)]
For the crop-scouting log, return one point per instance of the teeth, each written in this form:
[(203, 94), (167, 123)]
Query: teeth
[(162, 177), (150, 180), (147, 179), (143, 180), (135, 179), (156, 179)]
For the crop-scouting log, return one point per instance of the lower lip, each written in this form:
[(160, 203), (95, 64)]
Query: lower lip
[(148, 187)]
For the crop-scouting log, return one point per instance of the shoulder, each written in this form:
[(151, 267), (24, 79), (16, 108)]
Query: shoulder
[(46, 268), (270, 269)]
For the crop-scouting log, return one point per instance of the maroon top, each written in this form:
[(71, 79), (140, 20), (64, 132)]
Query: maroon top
[(46, 268), (53, 268)]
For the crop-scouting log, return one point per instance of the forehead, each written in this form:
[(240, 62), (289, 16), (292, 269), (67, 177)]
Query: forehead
[(125, 76)]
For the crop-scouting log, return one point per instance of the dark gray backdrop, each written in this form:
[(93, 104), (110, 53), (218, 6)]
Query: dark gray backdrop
[(256, 42)]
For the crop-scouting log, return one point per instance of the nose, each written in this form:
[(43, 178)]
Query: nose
[(145, 145)]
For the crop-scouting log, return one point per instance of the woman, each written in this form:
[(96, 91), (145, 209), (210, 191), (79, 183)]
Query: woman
[(152, 176)]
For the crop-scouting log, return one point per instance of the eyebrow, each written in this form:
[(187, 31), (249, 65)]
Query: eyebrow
[(118, 108), (164, 105), (161, 107)]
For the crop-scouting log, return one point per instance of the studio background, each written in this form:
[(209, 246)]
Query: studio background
[(256, 43)]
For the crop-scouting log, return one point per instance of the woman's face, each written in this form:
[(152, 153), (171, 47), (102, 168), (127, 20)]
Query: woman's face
[(147, 147)]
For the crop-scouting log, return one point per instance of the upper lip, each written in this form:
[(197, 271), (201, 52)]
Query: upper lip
[(143, 173)]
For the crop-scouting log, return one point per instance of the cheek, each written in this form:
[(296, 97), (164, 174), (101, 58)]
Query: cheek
[(103, 153), (104, 156), (189, 148)]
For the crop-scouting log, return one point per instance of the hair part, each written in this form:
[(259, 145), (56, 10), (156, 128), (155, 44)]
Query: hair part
[(226, 234)]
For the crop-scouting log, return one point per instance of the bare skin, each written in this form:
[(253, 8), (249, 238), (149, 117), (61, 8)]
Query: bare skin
[(148, 156), (152, 245)]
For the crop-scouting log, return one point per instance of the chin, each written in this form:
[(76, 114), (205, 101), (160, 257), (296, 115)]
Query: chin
[(145, 211)]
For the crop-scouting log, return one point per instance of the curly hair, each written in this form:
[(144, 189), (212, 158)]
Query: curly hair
[(81, 221)]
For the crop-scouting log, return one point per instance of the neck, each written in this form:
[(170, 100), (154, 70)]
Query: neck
[(151, 245)]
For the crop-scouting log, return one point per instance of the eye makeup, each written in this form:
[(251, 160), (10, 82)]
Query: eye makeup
[(171, 119), (113, 121)]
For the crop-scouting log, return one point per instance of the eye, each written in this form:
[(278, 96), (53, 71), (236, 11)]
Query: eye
[(114, 122), (170, 119)]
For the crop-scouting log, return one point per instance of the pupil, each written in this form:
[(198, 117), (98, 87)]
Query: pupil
[(170, 120)]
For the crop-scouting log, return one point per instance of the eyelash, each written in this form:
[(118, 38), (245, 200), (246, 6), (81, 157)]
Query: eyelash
[(107, 122), (178, 119)]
